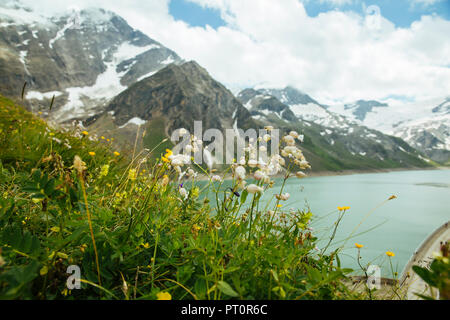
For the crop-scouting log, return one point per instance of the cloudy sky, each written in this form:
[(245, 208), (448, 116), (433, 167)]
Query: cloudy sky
[(334, 50)]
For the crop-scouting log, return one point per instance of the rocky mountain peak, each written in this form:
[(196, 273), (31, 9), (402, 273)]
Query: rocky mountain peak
[(290, 95), (362, 107), (443, 108), (83, 58), (181, 94)]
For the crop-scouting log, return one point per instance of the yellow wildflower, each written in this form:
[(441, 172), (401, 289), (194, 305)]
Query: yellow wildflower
[(65, 292), (390, 254), (91, 153), (102, 137), (359, 246), (165, 158), (132, 174), (279, 205), (104, 170), (163, 296), (43, 271), (62, 255), (195, 192), (84, 133), (116, 153), (343, 208)]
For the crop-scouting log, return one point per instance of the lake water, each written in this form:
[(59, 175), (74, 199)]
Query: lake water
[(422, 205), (400, 225)]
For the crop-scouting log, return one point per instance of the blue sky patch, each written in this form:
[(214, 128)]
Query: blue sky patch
[(401, 12), (195, 15)]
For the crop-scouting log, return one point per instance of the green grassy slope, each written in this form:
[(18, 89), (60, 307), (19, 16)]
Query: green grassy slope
[(133, 233)]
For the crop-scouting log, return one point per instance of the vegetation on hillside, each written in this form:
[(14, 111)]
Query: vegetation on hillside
[(136, 230)]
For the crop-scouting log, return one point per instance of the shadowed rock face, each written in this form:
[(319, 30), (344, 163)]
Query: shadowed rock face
[(291, 96), (181, 94), (362, 107), (260, 103), (443, 108)]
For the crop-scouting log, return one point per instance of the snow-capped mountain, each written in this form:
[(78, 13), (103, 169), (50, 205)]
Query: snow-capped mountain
[(173, 98), (424, 125), (82, 58), (293, 105), (101, 70), (346, 141)]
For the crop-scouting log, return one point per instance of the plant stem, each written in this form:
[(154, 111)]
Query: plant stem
[(341, 215), (90, 228)]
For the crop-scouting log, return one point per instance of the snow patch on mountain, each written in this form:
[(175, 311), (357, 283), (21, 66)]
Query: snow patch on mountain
[(310, 111), (16, 14), (41, 96), (107, 85), (136, 121)]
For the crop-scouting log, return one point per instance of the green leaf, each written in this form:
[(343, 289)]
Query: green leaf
[(425, 274), (226, 289), (314, 274), (423, 296), (36, 176), (30, 189), (338, 260), (200, 287), (244, 195), (50, 187), (275, 275)]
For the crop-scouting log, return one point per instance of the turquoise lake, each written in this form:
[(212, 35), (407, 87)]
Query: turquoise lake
[(399, 225)]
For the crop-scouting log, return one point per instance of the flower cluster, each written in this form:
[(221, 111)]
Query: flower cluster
[(290, 157)]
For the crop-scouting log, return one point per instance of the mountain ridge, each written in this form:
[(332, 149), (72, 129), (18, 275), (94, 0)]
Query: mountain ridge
[(117, 81)]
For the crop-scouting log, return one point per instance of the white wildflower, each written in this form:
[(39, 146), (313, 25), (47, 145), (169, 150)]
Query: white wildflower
[(252, 163), (253, 188), (240, 172), (283, 197), (294, 134), (183, 193), (300, 175), (289, 140)]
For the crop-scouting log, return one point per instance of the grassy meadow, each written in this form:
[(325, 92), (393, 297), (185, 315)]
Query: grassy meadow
[(139, 228)]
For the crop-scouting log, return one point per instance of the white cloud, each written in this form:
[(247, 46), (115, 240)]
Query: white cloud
[(336, 56), (425, 3), (337, 2)]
